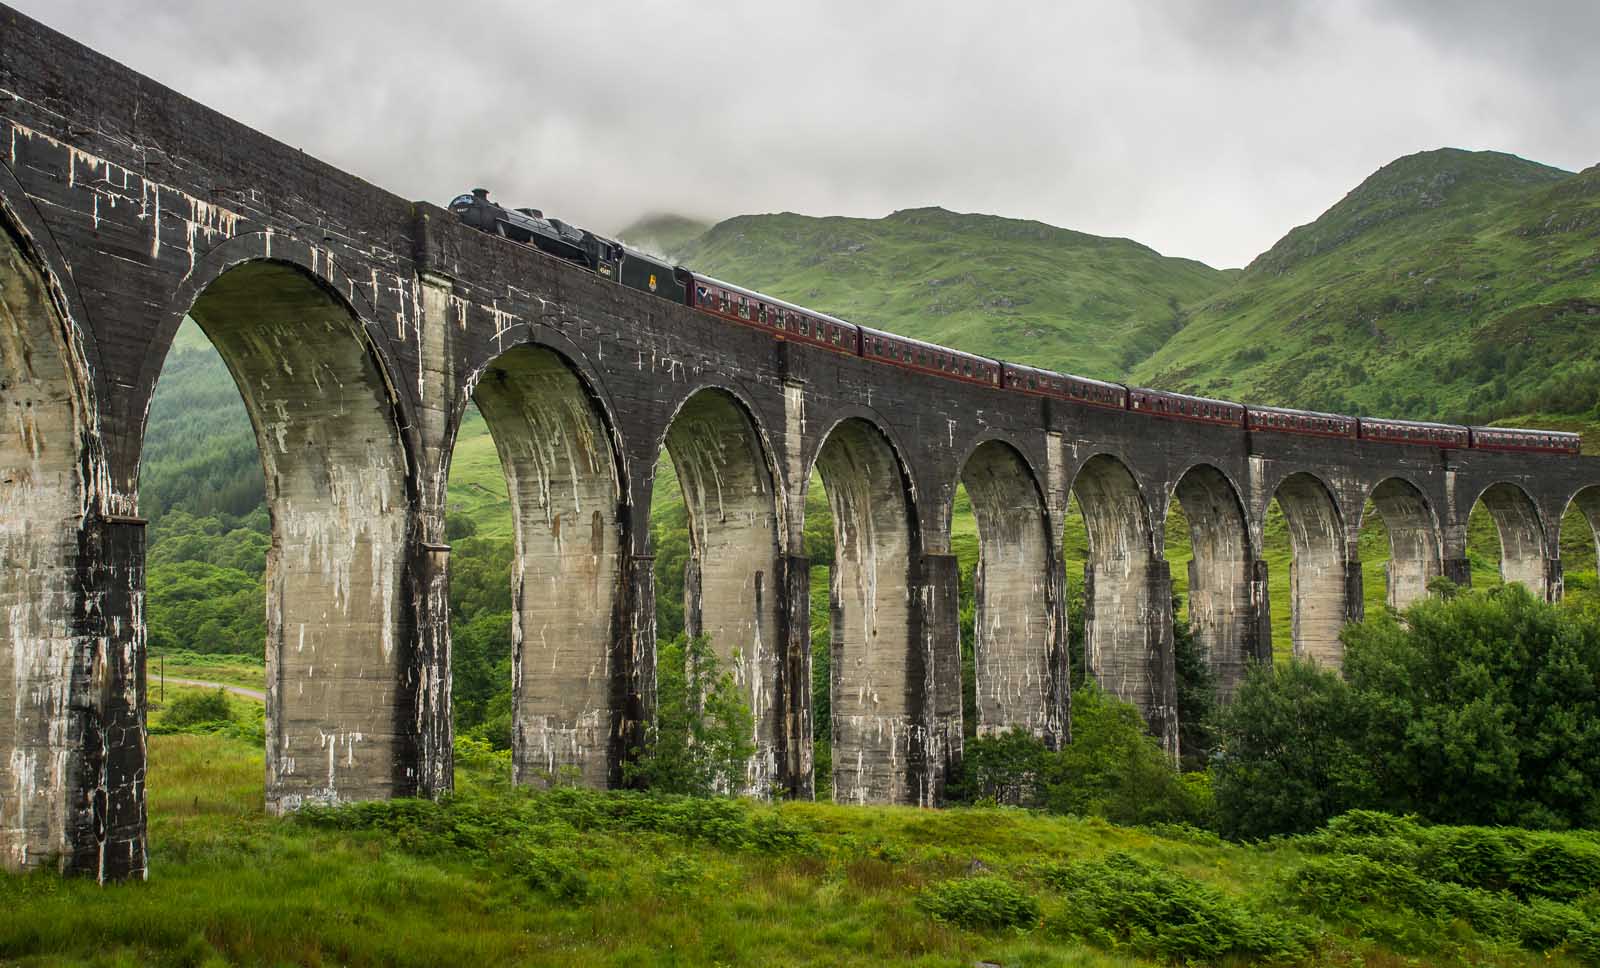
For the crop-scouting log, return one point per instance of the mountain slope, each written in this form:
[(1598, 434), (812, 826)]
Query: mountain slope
[(663, 234), (1449, 284), (1016, 289)]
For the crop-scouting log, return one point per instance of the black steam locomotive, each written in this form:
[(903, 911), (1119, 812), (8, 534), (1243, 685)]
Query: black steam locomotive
[(637, 270)]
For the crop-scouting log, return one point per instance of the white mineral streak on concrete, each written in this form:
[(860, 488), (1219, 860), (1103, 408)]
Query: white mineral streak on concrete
[(335, 471), (1013, 622), (733, 530), (872, 605), (42, 504), (564, 493)]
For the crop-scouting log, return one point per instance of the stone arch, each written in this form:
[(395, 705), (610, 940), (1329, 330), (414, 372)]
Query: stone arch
[(341, 718), (1222, 607), (568, 626), (1587, 501), (877, 687), (1522, 536), (1020, 674), (318, 267), (1415, 552), (46, 419), (732, 581), (1127, 612), (1318, 583)]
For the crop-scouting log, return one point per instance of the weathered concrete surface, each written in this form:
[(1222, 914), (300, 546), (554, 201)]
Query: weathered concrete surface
[(1017, 649), (1522, 536), (1414, 550), (359, 324), (41, 512), (877, 677), (336, 489), (1222, 608), (1318, 575), (565, 495), (731, 589), (1128, 597)]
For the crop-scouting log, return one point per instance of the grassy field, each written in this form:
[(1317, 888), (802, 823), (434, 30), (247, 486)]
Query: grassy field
[(499, 876), (229, 670)]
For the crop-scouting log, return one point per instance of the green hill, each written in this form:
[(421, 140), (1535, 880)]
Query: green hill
[(663, 233), (1020, 290), (1450, 284)]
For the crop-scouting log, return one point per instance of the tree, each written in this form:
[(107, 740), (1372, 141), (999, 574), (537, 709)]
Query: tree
[(1485, 708), (702, 739), (1291, 752), (1197, 693), (1114, 768)]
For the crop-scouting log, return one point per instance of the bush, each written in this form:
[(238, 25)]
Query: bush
[(1483, 709), (1291, 752), (1414, 886), (1122, 903), (984, 902), (192, 709), (1114, 769), (700, 744), (1003, 769), (1478, 708)]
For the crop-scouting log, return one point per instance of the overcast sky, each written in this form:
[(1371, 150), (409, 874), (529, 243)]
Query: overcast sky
[(1203, 129)]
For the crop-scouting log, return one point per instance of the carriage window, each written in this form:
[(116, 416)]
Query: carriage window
[(805, 326), (1033, 384), (761, 312)]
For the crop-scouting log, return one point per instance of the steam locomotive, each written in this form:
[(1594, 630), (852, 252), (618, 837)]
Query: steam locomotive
[(746, 307)]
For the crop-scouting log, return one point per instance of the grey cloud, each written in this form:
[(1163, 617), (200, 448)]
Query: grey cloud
[(1203, 129)]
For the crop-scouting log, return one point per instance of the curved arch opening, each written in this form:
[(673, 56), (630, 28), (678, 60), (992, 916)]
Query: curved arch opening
[(1127, 639), (1580, 544), (1520, 530), (731, 575), (42, 417), (876, 677), (1018, 678), (1415, 557), (340, 722), (564, 490), (1317, 571), (1217, 572)]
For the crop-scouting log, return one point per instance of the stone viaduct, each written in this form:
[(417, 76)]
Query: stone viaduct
[(359, 326)]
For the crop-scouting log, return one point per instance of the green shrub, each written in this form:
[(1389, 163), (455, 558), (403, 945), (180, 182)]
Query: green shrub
[(1483, 709), (1114, 769), (1004, 769), (191, 709), (700, 742), (1525, 863), (1291, 752), (1122, 903), (553, 872), (1415, 887), (984, 902)]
